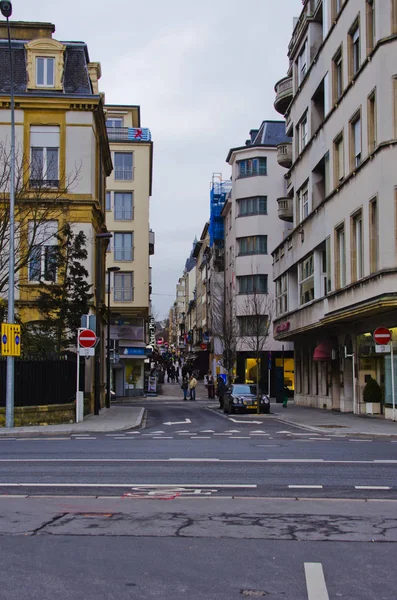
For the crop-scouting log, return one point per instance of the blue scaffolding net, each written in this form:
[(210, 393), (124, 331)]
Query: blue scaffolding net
[(218, 194)]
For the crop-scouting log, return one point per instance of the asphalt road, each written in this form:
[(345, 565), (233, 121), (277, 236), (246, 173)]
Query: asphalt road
[(197, 505)]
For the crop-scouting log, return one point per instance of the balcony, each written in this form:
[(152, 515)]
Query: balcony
[(151, 242), (285, 209), (284, 94), (284, 155), (129, 134)]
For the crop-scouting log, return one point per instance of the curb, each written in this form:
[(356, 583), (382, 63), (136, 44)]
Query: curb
[(47, 432), (329, 430)]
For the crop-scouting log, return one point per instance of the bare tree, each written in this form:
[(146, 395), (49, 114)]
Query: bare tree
[(38, 200), (223, 325), (256, 316)]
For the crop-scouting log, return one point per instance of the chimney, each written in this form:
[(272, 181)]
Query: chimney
[(94, 71), (24, 30)]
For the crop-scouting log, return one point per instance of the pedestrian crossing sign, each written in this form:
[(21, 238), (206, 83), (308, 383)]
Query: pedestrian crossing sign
[(10, 339)]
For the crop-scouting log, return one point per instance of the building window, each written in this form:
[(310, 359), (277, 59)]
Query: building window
[(370, 19), (45, 68), (114, 122), (252, 167), (357, 247), (394, 16), (302, 133), (123, 166), (43, 252), (337, 67), (123, 287), (281, 295), (256, 205), (327, 269), (355, 142), (302, 64), (339, 160), (123, 206), (302, 204), (251, 284), (340, 257), (336, 8), (256, 244), (354, 49), (373, 236), (306, 280), (371, 122), (108, 201), (123, 246), (44, 148), (253, 325)]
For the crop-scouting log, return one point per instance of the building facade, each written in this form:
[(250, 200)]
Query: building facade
[(128, 191), (336, 270), (62, 161), (251, 230)]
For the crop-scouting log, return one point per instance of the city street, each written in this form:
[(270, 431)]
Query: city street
[(198, 504)]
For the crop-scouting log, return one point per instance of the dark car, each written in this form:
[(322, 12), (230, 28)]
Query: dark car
[(241, 397)]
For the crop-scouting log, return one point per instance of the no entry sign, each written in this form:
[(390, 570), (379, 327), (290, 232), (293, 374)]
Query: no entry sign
[(382, 336), (87, 338)]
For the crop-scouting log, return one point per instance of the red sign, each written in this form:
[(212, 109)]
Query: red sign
[(283, 327), (382, 336), (87, 338), (203, 346)]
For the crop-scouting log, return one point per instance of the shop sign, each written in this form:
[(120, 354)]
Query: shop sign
[(283, 327), (133, 351)]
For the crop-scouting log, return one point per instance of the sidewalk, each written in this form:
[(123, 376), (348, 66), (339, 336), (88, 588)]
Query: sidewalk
[(116, 418), (333, 422)]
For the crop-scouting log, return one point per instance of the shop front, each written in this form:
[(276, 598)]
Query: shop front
[(276, 372)]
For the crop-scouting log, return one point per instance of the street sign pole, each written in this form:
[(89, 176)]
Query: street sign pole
[(78, 377)]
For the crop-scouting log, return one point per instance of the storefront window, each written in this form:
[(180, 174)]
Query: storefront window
[(251, 370)]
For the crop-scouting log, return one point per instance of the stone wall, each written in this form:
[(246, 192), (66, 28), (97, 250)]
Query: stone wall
[(54, 414)]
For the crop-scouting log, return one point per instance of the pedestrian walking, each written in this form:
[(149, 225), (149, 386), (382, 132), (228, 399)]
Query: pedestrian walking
[(210, 385), (192, 387), (185, 386), (177, 374), (221, 388), (172, 374)]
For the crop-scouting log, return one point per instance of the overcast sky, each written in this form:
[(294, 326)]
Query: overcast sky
[(203, 73)]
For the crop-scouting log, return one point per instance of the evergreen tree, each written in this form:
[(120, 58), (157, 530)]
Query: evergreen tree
[(62, 303)]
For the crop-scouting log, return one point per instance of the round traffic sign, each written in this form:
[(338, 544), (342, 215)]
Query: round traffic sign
[(87, 338), (382, 336)]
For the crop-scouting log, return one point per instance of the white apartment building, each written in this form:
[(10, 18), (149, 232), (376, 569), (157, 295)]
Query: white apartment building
[(335, 273), (128, 191), (251, 230)]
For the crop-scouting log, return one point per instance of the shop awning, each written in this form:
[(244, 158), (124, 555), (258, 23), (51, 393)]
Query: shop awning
[(323, 351)]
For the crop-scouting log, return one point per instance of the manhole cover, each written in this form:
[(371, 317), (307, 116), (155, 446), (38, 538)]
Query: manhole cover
[(253, 593)]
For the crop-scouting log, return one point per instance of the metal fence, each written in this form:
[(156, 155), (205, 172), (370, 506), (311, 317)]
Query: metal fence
[(41, 382)]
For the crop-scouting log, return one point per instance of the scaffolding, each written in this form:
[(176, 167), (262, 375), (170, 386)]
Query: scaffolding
[(218, 194)]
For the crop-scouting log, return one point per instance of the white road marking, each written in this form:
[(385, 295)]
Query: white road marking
[(132, 485), (85, 438), (240, 421), (163, 437), (193, 459), (315, 582), (372, 487), (360, 440), (306, 487), (160, 431), (201, 437), (232, 431), (207, 431), (121, 438), (44, 439), (239, 437), (133, 432), (186, 421)]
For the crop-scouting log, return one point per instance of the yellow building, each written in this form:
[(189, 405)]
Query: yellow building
[(63, 157), (128, 191)]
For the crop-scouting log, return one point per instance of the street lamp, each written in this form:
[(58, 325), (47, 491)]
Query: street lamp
[(99, 236), (109, 270), (6, 11)]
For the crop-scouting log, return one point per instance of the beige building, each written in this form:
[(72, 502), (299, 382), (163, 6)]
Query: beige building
[(336, 271), (128, 191), (252, 229)]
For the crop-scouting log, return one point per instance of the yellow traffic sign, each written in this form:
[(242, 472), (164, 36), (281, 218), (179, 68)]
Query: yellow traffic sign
[(10, 339)]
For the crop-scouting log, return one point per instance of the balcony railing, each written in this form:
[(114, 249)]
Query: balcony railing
[(284, 93), (123, 254), (285, 209), (129, 134), (284, 154), (122, 294)]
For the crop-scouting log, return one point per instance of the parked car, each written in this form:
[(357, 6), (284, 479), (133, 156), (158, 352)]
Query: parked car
[(241, 397)]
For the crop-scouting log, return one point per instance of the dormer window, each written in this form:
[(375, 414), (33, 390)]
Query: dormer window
[(44, 64), (45, 67)]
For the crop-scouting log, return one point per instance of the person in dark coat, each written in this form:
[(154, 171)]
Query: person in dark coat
[(185, 386), (221, 389)]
